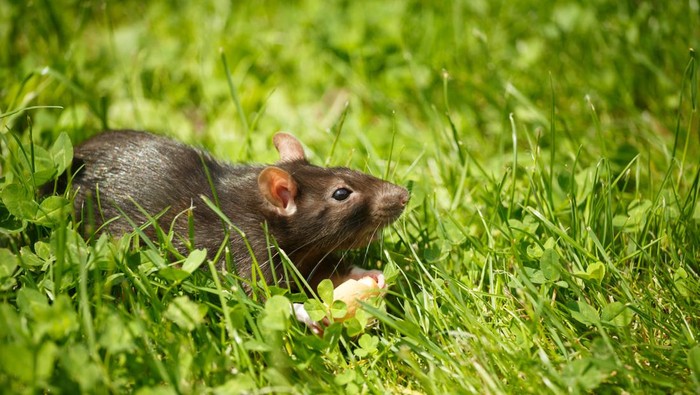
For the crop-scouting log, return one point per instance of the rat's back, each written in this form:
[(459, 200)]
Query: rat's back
[(118, 168)]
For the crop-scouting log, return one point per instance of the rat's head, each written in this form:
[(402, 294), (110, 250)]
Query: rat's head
[(326, 208)]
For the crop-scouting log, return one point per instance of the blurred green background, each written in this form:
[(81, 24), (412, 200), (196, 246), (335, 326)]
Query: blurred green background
[(552, 239), (158, 66)]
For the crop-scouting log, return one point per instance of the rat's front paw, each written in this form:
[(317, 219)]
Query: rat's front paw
[(303, 316)]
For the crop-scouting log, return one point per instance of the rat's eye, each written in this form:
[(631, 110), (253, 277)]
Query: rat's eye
[(341, 194)]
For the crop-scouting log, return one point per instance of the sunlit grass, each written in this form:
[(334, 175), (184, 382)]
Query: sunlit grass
[(550, 245)]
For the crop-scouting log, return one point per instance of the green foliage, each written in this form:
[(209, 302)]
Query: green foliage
[(552, 240)]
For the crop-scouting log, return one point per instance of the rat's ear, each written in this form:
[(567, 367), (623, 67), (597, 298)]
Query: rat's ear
[(279, 188), (289, 147)]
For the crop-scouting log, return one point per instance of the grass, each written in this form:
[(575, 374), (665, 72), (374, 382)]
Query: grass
[(552, 239)]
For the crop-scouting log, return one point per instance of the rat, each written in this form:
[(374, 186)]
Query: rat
[(313, 213)]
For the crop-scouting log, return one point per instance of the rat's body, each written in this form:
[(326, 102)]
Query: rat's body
[(310, 211)]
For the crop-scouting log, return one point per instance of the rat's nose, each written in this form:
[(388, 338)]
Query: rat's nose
[(405, 196), (398, 194)]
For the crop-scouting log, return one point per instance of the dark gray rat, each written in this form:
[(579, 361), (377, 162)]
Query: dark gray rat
[(311, 212)]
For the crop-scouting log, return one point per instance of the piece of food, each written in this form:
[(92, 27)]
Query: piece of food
[(352, 292)]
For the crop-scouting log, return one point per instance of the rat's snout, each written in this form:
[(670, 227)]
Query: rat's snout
[(398, 194), (391, 202)]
